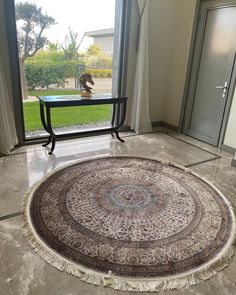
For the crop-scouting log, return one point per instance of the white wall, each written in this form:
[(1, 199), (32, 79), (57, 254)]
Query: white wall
[(162, 15), (105, 43), (230, 135), (171, 23), (183, 25)]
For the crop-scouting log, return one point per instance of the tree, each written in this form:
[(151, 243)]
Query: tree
[(32, 22), (53, 46), (72, 45), (94, 50)]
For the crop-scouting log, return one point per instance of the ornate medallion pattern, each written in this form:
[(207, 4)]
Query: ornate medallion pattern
[(133, 217)]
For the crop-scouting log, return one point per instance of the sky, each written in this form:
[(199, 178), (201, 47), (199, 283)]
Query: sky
[(79, 15)]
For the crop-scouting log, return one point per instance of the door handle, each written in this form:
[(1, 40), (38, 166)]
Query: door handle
[(225, 88)]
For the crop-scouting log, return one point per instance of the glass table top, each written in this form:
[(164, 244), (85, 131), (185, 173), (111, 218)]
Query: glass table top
[(64, 98)]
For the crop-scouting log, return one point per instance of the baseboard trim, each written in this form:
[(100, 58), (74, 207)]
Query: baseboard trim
[(228, 149), (156, 124), (233, 163), (165, 125), (224, 147), (124, 128)]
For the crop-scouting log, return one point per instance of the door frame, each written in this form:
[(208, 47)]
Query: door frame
[(199, 25)]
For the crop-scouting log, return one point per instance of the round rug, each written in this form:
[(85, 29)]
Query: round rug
[(130, 223)]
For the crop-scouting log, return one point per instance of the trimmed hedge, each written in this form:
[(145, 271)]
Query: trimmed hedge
[(45, 74), (48, 68), (99, 62), (100, 73), (46, 55)]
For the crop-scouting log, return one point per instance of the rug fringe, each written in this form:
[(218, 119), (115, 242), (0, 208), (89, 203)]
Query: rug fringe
[(119, 283), (127, 284)]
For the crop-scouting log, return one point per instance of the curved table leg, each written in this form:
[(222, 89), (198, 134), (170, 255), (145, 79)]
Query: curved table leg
[(48, 141), (113, 119), (113, 115), (48, 127), (121, 121), (117, 136), (45, 126), (53, 145)]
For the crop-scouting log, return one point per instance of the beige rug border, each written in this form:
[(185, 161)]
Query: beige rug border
[(180, 281)]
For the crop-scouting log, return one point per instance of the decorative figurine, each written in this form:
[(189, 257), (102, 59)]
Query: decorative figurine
[(85, 89)]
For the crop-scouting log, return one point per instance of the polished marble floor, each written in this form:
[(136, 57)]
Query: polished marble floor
[(23, 272)]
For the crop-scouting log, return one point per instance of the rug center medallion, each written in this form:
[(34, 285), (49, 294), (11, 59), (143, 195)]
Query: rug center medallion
[(129, 196)]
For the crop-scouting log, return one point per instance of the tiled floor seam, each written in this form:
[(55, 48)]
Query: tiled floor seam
[(202, 162), (15, 214), (167, 133)]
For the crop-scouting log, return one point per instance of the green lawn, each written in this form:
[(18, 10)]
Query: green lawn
[(68, 116)]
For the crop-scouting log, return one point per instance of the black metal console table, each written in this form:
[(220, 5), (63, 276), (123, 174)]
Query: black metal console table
[(75, 100)]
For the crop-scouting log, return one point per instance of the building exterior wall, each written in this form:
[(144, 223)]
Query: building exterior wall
[(106, 44)]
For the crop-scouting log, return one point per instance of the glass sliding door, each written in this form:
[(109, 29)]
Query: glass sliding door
[(57, 42)]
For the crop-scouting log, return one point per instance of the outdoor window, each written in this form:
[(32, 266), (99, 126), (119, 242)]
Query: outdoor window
[(57, 42)]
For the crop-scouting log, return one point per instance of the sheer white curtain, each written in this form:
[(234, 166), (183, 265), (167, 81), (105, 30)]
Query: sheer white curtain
[(8, 137), (140, 116)]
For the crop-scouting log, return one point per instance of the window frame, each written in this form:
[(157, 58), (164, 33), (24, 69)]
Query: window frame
[(122, 24)]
